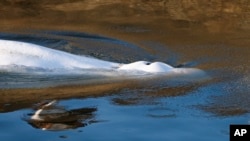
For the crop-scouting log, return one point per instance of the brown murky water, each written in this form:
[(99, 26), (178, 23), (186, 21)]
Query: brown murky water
[(210, 35)]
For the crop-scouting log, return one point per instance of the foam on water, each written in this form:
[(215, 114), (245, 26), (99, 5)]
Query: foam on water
[(18, 56)]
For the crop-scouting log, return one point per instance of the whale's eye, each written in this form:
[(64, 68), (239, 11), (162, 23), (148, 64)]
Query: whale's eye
[(147, 63)]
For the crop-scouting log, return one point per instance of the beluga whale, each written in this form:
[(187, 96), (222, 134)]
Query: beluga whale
[(17, 56)]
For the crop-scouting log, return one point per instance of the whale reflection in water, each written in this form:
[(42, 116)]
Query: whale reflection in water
[(50, 116)]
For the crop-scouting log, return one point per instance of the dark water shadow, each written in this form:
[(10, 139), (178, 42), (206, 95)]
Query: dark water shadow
[(50, 116), (80, 43)]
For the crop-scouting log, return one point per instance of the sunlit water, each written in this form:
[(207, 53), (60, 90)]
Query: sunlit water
[(155, 109), (126, 108)]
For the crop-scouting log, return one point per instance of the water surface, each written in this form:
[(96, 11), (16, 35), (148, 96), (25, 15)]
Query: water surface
[(181, 33)]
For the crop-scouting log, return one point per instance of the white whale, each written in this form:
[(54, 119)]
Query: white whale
[(31, 55), (155, 67), (20, 54)]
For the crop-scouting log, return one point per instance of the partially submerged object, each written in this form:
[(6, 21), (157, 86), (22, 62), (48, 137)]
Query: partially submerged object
[(50, 116), (18, 56)]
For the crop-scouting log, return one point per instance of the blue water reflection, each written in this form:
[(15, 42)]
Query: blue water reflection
[(150, 109), (129, 123)]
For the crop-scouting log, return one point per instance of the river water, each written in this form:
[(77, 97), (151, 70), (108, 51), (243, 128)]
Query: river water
[(212, 36)]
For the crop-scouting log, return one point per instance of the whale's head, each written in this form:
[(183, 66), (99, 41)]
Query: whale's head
[(155, 67), (165, 70)]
